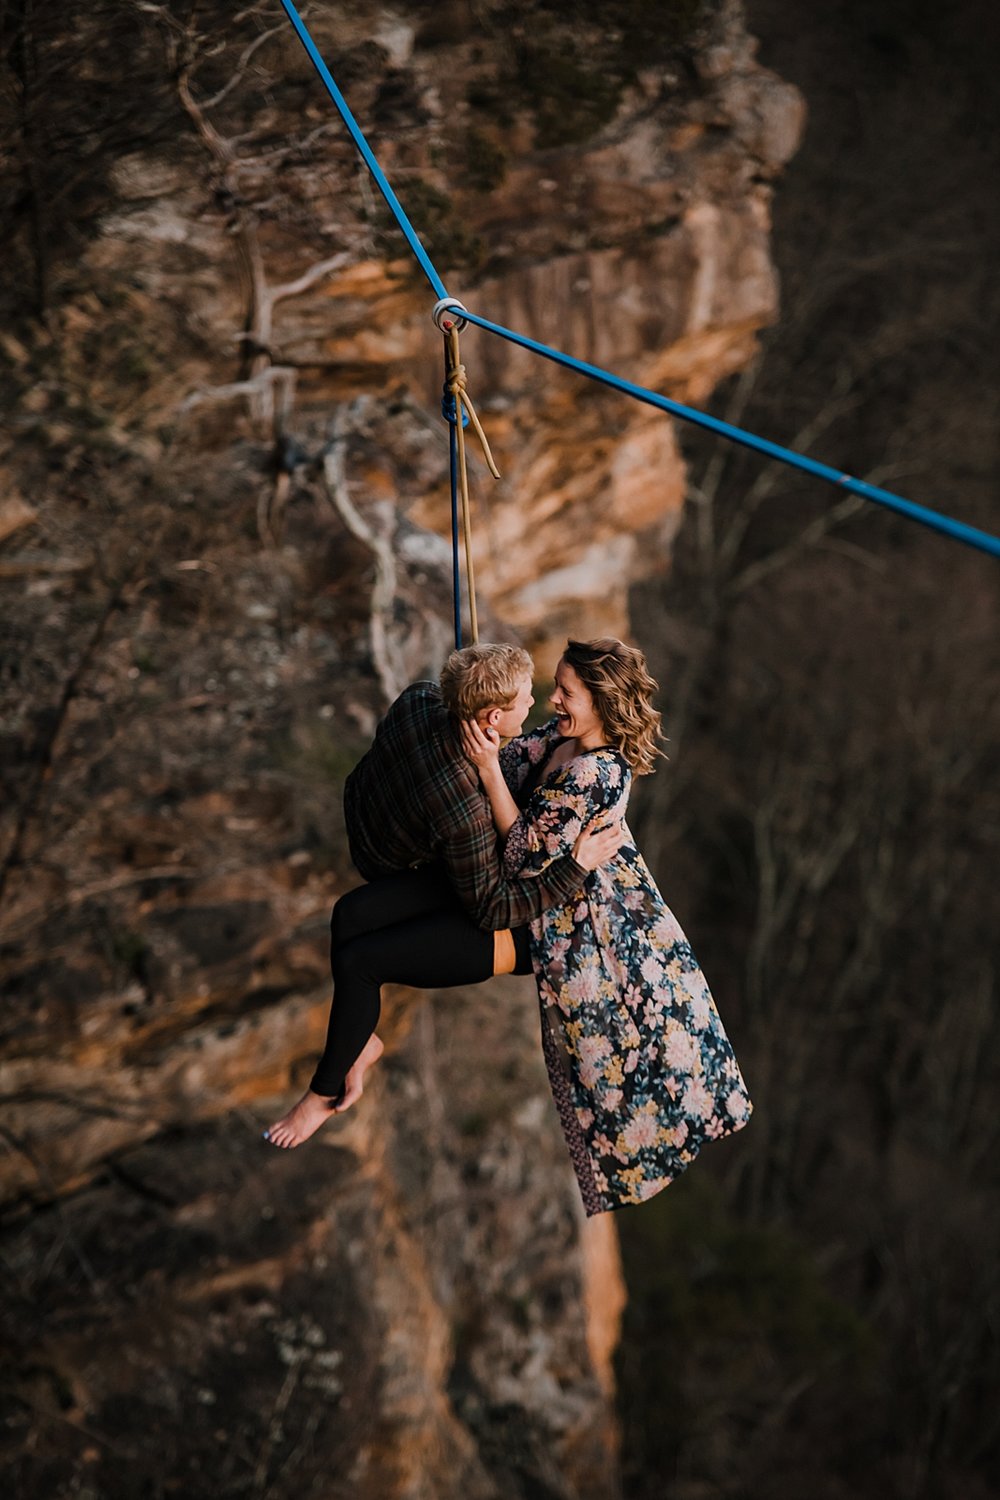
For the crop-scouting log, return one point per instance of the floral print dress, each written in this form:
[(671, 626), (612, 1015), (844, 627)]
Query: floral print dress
[(641, 1069)]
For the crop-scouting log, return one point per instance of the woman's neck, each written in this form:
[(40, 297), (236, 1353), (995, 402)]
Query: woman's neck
[(594, 739), (579, 743)]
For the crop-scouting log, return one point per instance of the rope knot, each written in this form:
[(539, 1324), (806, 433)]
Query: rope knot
[(456, 383)]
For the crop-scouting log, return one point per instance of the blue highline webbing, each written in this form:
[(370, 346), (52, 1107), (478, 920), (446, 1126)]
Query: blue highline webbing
[(958, 530), (381, 182), (971, 535)]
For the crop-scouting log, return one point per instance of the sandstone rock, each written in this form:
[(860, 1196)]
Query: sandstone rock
[(15, 513)]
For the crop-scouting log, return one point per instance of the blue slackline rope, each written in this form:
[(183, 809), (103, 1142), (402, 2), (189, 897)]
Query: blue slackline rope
[(449, 410), (958, 530), (381, 182), (971, 535)]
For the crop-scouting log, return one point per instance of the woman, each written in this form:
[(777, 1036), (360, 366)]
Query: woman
[(640, 1066)]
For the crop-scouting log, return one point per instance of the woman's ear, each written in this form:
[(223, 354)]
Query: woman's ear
[(493, 717)]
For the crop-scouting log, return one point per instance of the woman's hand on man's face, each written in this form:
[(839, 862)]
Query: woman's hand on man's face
[(482, 746)]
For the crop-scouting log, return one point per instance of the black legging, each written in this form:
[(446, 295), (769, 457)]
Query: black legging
[(402, 929)]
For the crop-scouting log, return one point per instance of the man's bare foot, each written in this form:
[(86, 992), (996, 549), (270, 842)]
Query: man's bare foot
[(354, 1083), (301, 1121), (312, 1110)]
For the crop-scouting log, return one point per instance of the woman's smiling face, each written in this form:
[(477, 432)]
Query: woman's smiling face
[(574, 707)]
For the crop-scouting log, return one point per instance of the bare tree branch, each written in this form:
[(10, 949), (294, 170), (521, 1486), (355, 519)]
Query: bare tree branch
[(241, 67), (384, 655), (806, 539)]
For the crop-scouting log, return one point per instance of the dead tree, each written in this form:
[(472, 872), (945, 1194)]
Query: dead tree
[(267, 384)]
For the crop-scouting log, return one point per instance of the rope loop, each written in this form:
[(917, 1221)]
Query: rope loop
[(458, 410), (449, 408), (457, 387)]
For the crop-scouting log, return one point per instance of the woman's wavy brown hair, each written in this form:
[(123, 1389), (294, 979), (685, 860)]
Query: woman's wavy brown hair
[(618, 680)]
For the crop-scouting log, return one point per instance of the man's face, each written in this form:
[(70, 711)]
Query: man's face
[(510, 721)]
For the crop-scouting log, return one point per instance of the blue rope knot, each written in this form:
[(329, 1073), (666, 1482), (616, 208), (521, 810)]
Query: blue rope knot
[(449, 410)]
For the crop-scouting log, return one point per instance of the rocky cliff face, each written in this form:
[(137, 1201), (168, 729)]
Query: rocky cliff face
[(220, 552)]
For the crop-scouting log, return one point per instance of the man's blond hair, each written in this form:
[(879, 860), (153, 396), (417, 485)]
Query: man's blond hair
[(483, 676)]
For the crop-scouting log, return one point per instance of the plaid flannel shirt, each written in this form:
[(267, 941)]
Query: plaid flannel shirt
[(414, 797)]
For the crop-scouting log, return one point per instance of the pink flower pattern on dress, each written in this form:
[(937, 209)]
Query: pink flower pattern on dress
[(641, 1069), (641, 1130)]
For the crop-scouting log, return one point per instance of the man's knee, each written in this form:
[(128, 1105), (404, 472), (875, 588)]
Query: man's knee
[(346, 918), (337, 923)]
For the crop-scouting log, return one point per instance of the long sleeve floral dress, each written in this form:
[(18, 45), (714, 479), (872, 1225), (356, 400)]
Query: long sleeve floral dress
[(641, 1069)]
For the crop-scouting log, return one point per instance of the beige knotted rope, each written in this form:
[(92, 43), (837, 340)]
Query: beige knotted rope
[(455, 385)]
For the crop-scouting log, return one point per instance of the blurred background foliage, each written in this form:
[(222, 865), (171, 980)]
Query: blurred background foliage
[(828, 827)]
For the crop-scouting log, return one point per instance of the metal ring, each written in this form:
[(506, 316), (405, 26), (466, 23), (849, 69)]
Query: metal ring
[(449, 305)]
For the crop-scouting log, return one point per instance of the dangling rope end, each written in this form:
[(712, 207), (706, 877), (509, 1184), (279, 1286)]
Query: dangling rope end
[(467, 406), (489, 461)]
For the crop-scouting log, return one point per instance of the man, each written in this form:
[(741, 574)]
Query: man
[(438, 909), (415, 797)]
